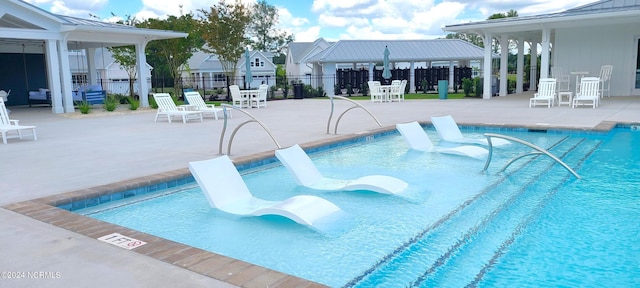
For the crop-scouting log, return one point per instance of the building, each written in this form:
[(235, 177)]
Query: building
[(35, 46), (204, 71), (582, 39)]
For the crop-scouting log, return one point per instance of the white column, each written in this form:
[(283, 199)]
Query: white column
[(533, 72), (65, 81), (486, 92), (53, 73), (520, 66), (329, 80), (504, 64), (372, 67), (141, 66), (91, 66), (412, 77), (544, 53), (451, 75)]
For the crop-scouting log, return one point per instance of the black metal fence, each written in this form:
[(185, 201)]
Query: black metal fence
[(355, 78)]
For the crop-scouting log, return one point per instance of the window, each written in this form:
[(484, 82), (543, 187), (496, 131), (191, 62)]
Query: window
[(257, 62)]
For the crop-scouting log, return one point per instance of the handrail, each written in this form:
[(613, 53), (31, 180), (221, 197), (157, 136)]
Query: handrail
[(253, 119), (539, 151), (357, 105)]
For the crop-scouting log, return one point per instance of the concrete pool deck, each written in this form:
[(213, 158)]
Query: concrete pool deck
[(74, 153)]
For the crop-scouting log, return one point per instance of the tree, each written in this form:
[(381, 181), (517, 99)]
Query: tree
[(473, 38), (125, 56), (170, 54), (262, 32), (223, 28)]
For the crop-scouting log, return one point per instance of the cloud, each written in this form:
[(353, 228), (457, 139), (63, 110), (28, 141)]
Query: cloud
[(76, 8), (308, 35)]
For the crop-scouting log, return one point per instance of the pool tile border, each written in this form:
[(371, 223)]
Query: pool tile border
[(56, 209)]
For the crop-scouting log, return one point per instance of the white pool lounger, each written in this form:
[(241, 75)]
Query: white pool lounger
[(418, 139), (306, 174), (225, 190), (449, 131)]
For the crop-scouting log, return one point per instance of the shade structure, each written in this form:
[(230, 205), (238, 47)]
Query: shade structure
[(247, 74), (386, 73)]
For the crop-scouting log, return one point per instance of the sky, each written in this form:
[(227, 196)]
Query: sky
[(332, 20)]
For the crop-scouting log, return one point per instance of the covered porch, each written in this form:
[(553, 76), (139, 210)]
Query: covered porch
[(582, 39), (37, 44)]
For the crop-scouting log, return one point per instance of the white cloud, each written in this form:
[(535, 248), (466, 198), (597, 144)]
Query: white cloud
[(307, 35)]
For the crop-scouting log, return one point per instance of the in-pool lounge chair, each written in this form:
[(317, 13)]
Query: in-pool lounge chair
[(418, 139), (306, 174), (449, 131), (225, 190), (168, 108), (8, 125)]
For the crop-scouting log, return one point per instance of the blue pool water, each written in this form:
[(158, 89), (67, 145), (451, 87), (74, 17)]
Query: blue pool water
[(532, 225)]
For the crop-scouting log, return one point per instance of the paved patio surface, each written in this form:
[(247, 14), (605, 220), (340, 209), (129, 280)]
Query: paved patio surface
[(77, 152)]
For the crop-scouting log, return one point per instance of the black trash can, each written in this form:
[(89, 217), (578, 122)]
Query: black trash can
[(298, 91)]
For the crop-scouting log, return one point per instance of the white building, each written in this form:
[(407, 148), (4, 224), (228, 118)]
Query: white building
[(582, 39), (205, 71), (35, 45)]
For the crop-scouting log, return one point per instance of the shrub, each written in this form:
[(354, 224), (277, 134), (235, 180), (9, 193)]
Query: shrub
[(349, 90), (152, 102), (467, 86), (478, 86), (133, 103), (84, 107), (425, 86), (364, 89), (111, 103)]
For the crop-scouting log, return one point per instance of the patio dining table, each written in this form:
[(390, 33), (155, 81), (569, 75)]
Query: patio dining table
[(247, 95)]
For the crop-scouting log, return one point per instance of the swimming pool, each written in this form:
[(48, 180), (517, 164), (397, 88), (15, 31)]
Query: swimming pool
[(534, 223)]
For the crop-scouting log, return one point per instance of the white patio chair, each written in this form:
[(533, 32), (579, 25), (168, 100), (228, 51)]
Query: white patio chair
[(8, 126), (605, 80), (236, 98), (306, 174), (563, 81), (589, 92), (377, 95), (449, 131), (5, 96), (261, 99), (166, 107), (194, 99), (225, 190), (546, 93), (395, 93), (418, 139)]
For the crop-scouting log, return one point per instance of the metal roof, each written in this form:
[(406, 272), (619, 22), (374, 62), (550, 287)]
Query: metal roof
[(365, 51), (596, 13)]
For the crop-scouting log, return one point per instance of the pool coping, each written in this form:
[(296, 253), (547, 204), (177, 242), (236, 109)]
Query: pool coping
[(219, 267)]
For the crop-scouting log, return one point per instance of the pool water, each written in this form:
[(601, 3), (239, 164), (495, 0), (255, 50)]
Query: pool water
[(532, 225)]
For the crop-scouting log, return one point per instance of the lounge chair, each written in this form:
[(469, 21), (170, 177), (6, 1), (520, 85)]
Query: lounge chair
[(225, 190), (546, 93), (306, 174), (589, 92), (197, 102), (418, 139), (449, 131), (7, 125), (168, 108)]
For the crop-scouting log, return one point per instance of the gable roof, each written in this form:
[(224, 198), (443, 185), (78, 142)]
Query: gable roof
[(21, 20), (299, 51), (363, 51)]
